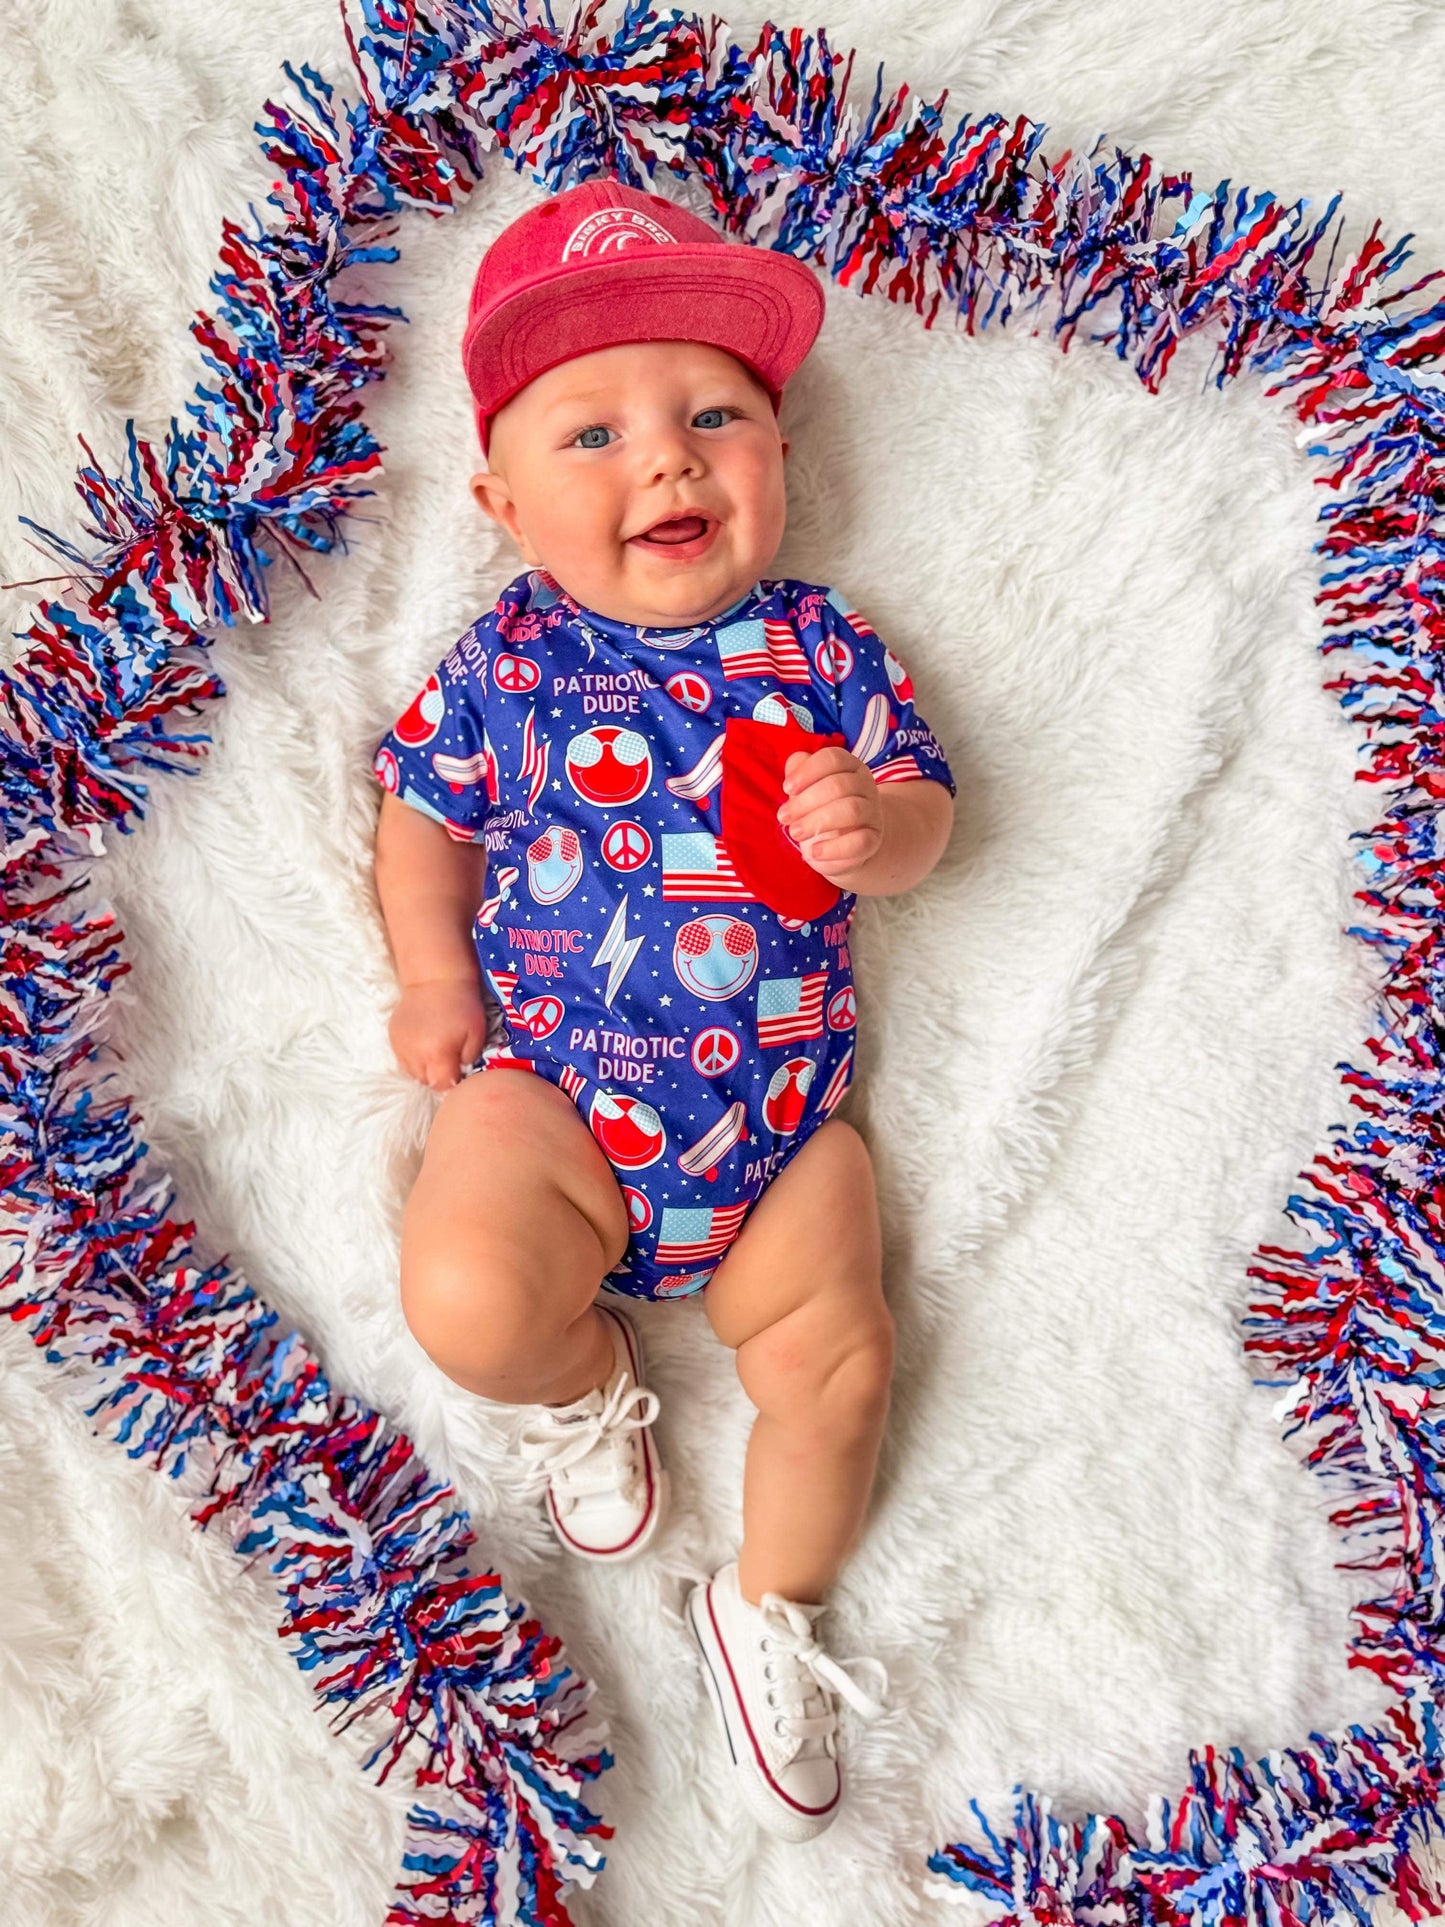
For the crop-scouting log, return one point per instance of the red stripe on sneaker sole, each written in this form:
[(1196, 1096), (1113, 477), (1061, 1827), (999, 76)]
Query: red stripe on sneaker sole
[(782, 1792)]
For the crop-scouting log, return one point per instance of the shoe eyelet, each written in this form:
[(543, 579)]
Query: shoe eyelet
[(780, 1729), (766, 1644), (768, 1669), (771, 1701)]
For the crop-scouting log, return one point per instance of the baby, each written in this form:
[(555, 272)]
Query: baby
[(640, 797)]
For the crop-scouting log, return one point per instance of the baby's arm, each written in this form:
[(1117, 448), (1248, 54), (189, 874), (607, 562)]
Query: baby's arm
[(871, 839), (429, 885)]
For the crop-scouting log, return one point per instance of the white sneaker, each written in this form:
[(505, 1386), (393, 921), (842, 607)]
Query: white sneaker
[(606, 1489), (772, 1685)]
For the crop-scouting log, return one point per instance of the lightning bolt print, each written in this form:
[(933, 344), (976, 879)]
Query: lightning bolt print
[(617, 950)]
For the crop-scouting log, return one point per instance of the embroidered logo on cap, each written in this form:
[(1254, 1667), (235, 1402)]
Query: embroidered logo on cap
[(611, 228)]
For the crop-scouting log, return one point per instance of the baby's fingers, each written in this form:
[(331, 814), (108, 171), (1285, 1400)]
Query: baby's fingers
[(474, 1039), (835, 853), (443, 1071), (828, 788), (805, 768), (836, 813), (431, 1061)]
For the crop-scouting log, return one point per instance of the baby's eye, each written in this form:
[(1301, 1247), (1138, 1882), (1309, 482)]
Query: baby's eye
[(581, 440), (712, 417)]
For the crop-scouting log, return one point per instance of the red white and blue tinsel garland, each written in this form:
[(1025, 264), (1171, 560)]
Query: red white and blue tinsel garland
[(965, 216)]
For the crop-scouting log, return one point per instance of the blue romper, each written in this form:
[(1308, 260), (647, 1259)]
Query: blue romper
[(703, 1035)]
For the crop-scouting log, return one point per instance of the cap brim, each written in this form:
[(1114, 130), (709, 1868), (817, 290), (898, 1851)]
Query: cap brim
[(762, 306)]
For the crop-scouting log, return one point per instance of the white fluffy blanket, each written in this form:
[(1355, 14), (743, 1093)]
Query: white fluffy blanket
[(1099, 1040)]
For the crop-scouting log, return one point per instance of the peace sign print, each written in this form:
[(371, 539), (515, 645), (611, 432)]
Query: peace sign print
[(690, 690), (843, 1009), (626, 846), (541, 1015), (715, 1050), (518, 675), (639, 1211), (834, 659)]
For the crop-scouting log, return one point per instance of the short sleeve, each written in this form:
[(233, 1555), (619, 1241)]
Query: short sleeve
[(436, 756), (874, 694)]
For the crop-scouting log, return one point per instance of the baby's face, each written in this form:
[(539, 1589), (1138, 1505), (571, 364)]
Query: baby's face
[(647, 479)]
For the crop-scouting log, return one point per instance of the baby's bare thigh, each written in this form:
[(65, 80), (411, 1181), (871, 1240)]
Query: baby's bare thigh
[(514, 1205), (809, 1249)]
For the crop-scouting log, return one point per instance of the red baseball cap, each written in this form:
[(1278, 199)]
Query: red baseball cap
[(603, 263)]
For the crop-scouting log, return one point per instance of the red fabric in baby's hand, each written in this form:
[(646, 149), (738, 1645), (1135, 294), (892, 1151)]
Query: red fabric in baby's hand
[(755, 755)]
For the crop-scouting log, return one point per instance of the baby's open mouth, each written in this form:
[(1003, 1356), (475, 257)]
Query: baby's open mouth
[(677, 528), (678, 538)]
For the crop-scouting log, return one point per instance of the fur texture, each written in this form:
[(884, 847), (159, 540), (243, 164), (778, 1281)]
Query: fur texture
[(1098, 1043)]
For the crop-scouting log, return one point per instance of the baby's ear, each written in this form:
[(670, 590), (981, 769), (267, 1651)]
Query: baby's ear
[(494, 498), (486, 488)]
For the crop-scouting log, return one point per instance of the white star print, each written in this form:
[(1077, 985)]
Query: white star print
[(648, 891)]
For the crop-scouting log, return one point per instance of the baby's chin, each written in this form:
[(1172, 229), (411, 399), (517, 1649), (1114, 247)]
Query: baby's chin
[(669, 595)]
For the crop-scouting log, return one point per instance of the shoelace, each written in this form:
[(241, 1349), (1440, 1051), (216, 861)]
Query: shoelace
[(587, 1447), (799, 1693)]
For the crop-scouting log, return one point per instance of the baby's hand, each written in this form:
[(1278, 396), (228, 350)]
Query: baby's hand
[(437, 1027), (832, 813)]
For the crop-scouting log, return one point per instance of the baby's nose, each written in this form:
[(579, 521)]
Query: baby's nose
[(669, 454)]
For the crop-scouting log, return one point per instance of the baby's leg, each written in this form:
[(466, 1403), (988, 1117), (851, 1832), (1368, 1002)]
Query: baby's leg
[(800, 1297), (513, 1222)]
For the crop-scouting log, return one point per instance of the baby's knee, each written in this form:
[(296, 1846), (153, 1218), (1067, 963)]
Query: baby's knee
[(859, 1387), (483, 1323), (811, 1370)]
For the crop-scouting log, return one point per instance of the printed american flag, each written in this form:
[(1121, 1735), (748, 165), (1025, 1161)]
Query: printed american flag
[(574, 1083), (501, 1057), (698, 865), (790, 1009), (785, 651), (690, 1234), (898, 769), (768, 648), (534, 759), (504, 983)]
